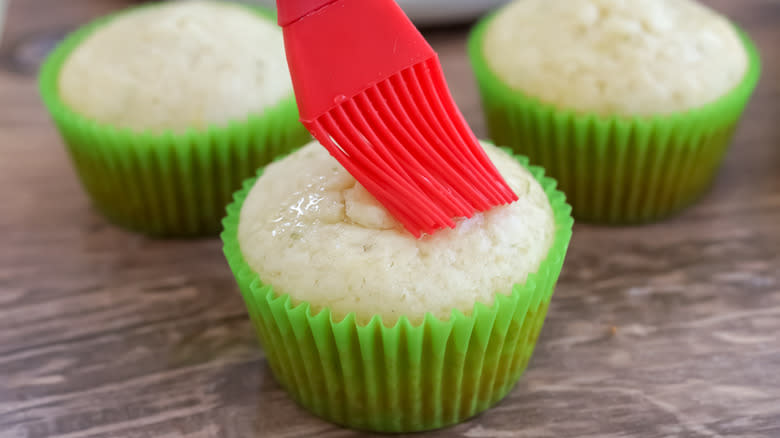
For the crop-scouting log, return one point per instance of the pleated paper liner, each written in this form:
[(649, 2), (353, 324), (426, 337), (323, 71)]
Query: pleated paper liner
[(406, 377), (613, 169), (166, 184)]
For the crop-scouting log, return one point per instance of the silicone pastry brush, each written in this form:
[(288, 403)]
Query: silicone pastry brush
[(372, 91)]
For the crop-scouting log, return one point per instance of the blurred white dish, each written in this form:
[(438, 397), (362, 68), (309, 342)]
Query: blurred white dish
[(427, 12)]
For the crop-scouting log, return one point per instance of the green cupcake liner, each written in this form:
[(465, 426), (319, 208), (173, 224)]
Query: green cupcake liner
[(166, 184), (406, 377), (615, 169)]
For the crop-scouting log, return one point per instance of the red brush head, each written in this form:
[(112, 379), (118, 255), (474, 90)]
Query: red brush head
[(371, 90), (345, 47), (406, 142)]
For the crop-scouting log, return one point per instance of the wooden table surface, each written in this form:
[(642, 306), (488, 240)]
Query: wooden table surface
[(655, 331)]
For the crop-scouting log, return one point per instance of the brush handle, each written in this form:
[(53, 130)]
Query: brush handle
[(289, 11), (345, 47)]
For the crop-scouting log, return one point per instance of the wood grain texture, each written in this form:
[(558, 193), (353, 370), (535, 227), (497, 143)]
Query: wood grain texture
[(657, 331)]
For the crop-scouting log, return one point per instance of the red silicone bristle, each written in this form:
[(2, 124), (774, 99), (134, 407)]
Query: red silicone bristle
[(398, 155), (369, 164), (386, 169), (476, 153), (416, 146), (417, 122), (436, 92), (405, 141), (468, 182), (387, 186)]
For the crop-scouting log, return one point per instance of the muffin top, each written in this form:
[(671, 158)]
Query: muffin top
[(176, 66), (625, 57), (310, 230)]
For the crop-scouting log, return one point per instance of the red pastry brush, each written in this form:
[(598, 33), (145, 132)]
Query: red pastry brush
[(372, 91)]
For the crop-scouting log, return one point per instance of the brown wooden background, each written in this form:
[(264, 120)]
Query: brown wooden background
[(656, 331)]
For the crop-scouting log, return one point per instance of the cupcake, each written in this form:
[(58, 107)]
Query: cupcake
[(371, 328), (630, 105), (165, 109)]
